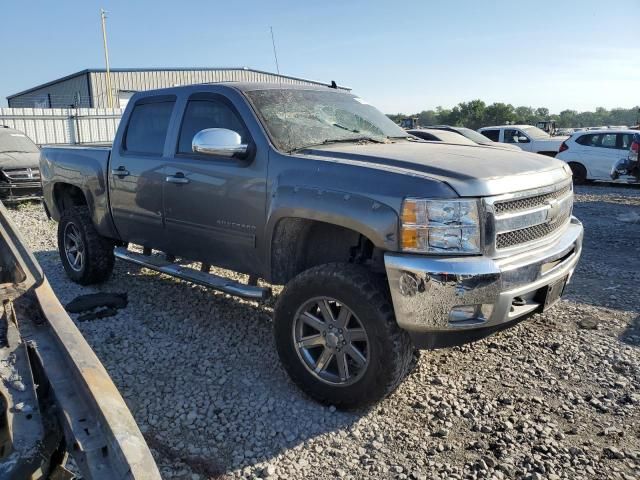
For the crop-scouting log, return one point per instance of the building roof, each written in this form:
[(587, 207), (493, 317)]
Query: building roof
[(160, 69)]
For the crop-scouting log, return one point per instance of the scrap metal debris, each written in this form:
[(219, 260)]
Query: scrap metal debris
[(97, 305)]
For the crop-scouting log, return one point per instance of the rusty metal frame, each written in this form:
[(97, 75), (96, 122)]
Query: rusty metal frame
[(99, 431)]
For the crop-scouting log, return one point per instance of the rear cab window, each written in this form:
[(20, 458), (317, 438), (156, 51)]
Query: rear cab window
[(493, 135), (148, 125)]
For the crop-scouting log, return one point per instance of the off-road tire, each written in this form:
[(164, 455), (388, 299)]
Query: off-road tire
[(98, 259), (391, 349), (579, 173)]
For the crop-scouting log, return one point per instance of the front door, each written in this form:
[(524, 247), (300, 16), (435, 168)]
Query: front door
[(216, 212), (136, 176)]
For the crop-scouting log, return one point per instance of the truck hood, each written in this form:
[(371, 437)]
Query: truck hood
[(472, 171), (19, 160)]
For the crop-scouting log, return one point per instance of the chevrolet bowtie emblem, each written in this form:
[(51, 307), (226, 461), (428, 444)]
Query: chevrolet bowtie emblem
[(554, 209)]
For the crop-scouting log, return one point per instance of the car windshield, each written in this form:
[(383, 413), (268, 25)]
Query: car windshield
[(473, 135), (14, 142), (535, 132), (297, 119)]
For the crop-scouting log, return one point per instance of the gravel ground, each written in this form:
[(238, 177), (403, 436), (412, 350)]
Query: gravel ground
[(557, 396)]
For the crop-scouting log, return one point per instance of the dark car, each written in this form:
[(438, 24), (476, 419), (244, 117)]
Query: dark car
[(19, 170)]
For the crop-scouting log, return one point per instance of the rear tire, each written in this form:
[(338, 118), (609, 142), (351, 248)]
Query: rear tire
[(387, 350), (86, 256), (579, 173)]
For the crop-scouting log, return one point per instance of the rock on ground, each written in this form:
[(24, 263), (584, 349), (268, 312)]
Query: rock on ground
[(556, 397)]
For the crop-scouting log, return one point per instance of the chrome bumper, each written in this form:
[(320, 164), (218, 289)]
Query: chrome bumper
[(494, 292)]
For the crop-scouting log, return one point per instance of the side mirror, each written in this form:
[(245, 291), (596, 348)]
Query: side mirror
[(220, 142), (523, 139)]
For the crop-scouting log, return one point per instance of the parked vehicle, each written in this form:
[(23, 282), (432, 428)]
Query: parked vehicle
[(528, 138), (19, 171), (384, 243), (475, 137), (434, 135), (591, 154), (56, 398), (631, 164), (564, 131), (548, 126)]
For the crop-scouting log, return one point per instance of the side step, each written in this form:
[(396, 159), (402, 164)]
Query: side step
[(189, 274)]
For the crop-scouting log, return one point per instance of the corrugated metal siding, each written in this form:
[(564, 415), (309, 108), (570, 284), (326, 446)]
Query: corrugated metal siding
[(50, 126), (63, 94), (148, 80)]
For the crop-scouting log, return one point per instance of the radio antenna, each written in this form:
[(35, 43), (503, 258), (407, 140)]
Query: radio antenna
[(275, 53)]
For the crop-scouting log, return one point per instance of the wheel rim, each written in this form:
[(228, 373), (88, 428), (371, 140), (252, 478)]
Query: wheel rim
[(331, 341), (73, 247)]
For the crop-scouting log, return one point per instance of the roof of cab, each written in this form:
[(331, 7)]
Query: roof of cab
[(508, 126)]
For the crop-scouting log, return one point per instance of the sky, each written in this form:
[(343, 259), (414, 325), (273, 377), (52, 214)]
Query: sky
[(399, 56)]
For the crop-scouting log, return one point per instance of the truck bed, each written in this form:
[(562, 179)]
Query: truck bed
[(84, 168)]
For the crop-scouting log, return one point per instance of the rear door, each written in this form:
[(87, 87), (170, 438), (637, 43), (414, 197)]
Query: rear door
[(217, 213), (607, 153), (136, 176)]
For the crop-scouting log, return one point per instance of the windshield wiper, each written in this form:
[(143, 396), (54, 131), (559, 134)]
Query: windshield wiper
[(345, 128), (340, 140)]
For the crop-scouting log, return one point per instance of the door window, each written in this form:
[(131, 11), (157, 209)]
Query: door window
[(609, 140), (493, 135), (423, 135), (209, 113), (147, 128), (588, 140), (514, 136), (625, 141)]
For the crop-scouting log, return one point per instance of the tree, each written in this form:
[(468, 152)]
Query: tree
[(475, 114), (499, 114), (472, 113)]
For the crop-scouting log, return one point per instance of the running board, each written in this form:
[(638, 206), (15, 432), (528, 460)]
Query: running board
[(189, 274)]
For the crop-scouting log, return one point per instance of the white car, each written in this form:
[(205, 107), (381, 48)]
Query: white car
[(590, 154), (458, 135), (434, 135), (527, 137)]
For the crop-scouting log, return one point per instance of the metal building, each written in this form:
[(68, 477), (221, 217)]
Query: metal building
[(88, 88)]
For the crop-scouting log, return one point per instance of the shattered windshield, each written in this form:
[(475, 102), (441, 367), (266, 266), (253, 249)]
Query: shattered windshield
[(297, 119), (14, 142)]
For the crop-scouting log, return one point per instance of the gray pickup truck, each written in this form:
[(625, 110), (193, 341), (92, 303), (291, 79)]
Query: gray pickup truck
[(385, 243)]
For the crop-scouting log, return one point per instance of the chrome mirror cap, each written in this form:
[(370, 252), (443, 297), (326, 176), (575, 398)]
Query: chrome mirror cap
[(220, 142)]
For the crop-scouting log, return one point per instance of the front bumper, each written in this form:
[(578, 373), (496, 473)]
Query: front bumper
[(425, 289), (19, 191)]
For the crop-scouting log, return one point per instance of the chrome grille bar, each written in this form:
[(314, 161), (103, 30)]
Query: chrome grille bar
[(519, 220)]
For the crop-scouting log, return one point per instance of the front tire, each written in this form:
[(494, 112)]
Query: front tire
[(337, 336), (86, 256)]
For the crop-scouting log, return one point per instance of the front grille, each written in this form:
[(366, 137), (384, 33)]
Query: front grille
[(519, 204), (22, 174), (533, 233)]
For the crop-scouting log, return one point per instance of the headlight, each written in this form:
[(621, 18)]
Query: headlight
[(440, 226)]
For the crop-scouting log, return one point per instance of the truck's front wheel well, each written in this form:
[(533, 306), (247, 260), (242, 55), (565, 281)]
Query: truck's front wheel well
[(67, 196), (299, 244)]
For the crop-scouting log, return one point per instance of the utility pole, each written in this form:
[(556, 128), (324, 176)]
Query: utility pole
[(103, 18)]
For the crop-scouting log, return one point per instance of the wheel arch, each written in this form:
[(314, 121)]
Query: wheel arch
[(66, 195), (309, 226)]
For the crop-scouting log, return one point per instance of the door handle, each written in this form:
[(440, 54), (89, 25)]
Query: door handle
[(120, 172), (178, 178)]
